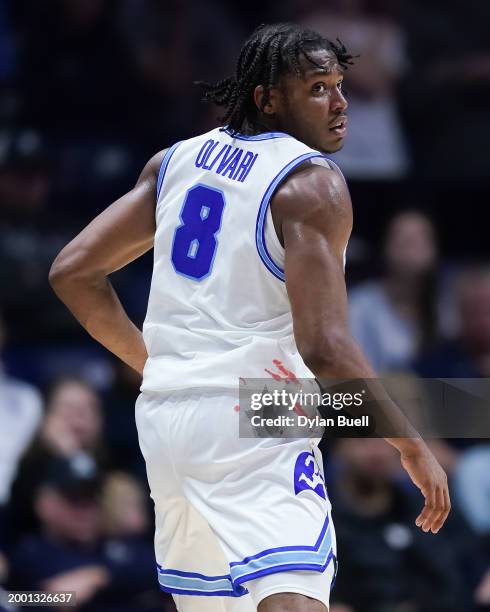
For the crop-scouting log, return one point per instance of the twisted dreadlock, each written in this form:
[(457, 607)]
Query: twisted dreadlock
[(269, 53)]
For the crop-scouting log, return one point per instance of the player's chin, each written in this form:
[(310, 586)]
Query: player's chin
[(333, 145)]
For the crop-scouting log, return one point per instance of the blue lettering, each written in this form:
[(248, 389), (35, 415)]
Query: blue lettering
[(202, 153), (226, 159), (233, 162), (249, 168), (217, 157), (230, 169), (231, 158), (208, 155), (247, 158)]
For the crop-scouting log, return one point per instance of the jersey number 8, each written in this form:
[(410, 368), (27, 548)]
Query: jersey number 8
[(194, 245)]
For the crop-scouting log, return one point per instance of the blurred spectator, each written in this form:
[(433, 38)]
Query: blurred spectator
[(66, 505), (25, 180), (70, 552), (445, 97), (394, 317), (29, 236), (374, 157), (20, 415), (393, 564), (468, 356), (73, 419), (375, 149), (472, 488), (120, 427), (126, 526), (482, 595), (76, 69), (176, 43), (72, 424), (124, 507), (444, 49)]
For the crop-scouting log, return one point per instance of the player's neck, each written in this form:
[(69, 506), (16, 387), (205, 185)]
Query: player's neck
[(259, 126)]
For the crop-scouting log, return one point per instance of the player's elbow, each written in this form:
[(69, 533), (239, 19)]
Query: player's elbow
[(65, 269), (323, 352)]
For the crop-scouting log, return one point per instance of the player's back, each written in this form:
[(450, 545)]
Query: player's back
[(218, 306)]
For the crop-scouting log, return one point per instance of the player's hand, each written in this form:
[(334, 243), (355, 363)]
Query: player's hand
[(426, 473)]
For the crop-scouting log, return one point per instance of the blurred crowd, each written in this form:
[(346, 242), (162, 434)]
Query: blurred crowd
[(89, 90)]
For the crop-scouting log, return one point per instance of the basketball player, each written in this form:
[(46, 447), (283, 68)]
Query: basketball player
[(249, 225)]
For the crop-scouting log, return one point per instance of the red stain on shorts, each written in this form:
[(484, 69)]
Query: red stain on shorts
[(274, 375), (297, 408), (287, 375)]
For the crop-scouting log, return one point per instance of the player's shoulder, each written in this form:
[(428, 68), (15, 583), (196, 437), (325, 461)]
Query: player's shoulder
[(313, 186), (155, 162), (149, 175)]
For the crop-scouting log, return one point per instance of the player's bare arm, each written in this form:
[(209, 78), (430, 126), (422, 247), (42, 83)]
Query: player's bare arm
[(313, 216), (79, 275)]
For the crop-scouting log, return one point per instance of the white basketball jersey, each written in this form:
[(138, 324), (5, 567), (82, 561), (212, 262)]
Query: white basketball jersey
[(218, 307)]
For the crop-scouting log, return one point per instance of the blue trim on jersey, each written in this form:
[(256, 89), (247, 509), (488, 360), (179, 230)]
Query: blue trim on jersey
[(335, 167), (164, 166), (289, 567), (286, 558), (269, 551), (184, 591), (260, 225), (273, 560), (262, 136), (192, 583)]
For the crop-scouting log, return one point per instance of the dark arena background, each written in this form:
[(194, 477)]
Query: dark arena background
[(91, 89)]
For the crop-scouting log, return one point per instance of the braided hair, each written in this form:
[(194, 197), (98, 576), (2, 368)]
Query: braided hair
[(269, 53)]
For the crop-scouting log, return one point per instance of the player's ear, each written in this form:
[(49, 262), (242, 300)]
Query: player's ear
[(270, 107)]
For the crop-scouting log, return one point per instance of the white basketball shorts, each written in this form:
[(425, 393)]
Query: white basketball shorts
[(236, 519)]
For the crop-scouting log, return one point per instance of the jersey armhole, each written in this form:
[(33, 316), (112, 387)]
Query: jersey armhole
[(163, 168), (335, 167), (263, 216), (272, 242)]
